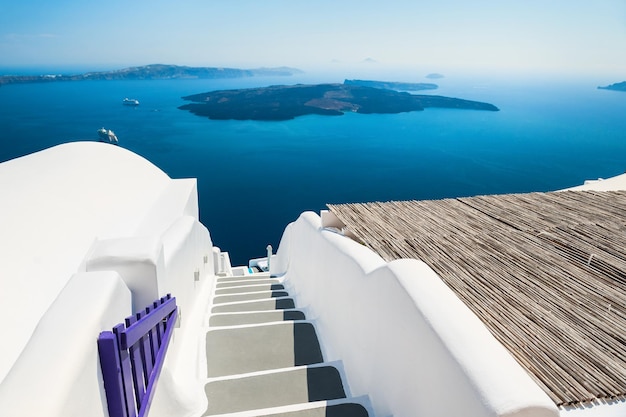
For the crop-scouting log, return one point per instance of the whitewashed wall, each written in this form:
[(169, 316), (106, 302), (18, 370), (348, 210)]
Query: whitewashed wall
[(189, 275), (87, 245), (58, 373), (54, 204), (405, 339)]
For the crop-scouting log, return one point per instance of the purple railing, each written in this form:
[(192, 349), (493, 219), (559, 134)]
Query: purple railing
[(131, 357)]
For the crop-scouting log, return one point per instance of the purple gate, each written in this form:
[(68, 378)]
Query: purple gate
[(131, 357)]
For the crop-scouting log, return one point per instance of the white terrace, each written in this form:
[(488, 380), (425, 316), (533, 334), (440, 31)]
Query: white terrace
[(92, 233)]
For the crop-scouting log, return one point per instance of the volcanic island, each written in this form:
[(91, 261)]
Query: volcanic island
[(285, 102)]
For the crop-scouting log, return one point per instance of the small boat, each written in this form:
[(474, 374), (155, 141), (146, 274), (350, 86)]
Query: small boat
[(107, 135), (130, 102)]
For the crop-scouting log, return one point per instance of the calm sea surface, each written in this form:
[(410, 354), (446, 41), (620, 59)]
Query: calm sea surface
[(256, 177)]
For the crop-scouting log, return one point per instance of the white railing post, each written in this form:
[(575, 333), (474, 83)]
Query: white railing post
[(269, 257)]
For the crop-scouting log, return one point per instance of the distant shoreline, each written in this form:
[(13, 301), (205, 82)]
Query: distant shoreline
[(615, 87), (152, 72)]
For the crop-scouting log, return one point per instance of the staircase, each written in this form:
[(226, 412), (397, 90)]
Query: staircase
[(264, 358)]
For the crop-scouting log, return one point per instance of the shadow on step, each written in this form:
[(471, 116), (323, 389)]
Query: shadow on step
[(306, 347), (346, 410), (324, 383)]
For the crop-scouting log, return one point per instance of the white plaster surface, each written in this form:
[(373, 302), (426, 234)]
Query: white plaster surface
[(180, 197), (609, 184), (180, 391), (58, 373), (138, 260), (90, 205), (53, 205), (90, 233)]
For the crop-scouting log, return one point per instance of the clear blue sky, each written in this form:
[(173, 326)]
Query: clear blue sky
[(532, 36)]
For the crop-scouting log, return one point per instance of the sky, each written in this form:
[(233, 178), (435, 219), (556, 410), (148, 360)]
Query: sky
[(500, 36)]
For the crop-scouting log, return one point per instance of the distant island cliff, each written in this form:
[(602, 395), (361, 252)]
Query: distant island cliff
[(615, 87), (287, 102), (152, 72)]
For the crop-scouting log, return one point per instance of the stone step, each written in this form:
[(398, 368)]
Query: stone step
[(238, 350), (347, 409), (343, 407), (243, 282), (255, 317), (274, 389), (220, 299), (242, 278), (249, 289), (260, 305), (264, 359)]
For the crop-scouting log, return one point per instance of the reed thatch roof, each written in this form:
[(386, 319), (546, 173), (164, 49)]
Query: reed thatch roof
[(546, 272)]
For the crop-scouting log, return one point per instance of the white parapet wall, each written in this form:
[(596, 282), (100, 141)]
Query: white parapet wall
[(58, 373), (404, 337), (91, 233), (616, 183), (55, 204), (138, 260)]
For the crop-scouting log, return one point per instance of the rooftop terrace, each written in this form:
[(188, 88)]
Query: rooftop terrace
[(545, 272)]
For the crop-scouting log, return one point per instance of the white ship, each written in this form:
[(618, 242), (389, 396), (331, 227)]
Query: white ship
[(130, 102), (107, 135)]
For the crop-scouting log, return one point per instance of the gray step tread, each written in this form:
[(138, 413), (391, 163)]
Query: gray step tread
[(232, 351), (243, 278), (220, 299), (275, 389), (260, 305), (249, 288), (257, 350), (240, 283), (239, 318)]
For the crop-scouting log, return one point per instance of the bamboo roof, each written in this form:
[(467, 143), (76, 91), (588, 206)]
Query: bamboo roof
[(545, 272)]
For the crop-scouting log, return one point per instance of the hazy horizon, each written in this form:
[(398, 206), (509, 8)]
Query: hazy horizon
[(570, 38), (451, 76)]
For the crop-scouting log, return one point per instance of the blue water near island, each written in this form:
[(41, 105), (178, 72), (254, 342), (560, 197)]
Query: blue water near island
[(255, 177)]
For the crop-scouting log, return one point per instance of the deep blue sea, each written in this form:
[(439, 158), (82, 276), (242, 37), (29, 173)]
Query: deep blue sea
[(256, 177)]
